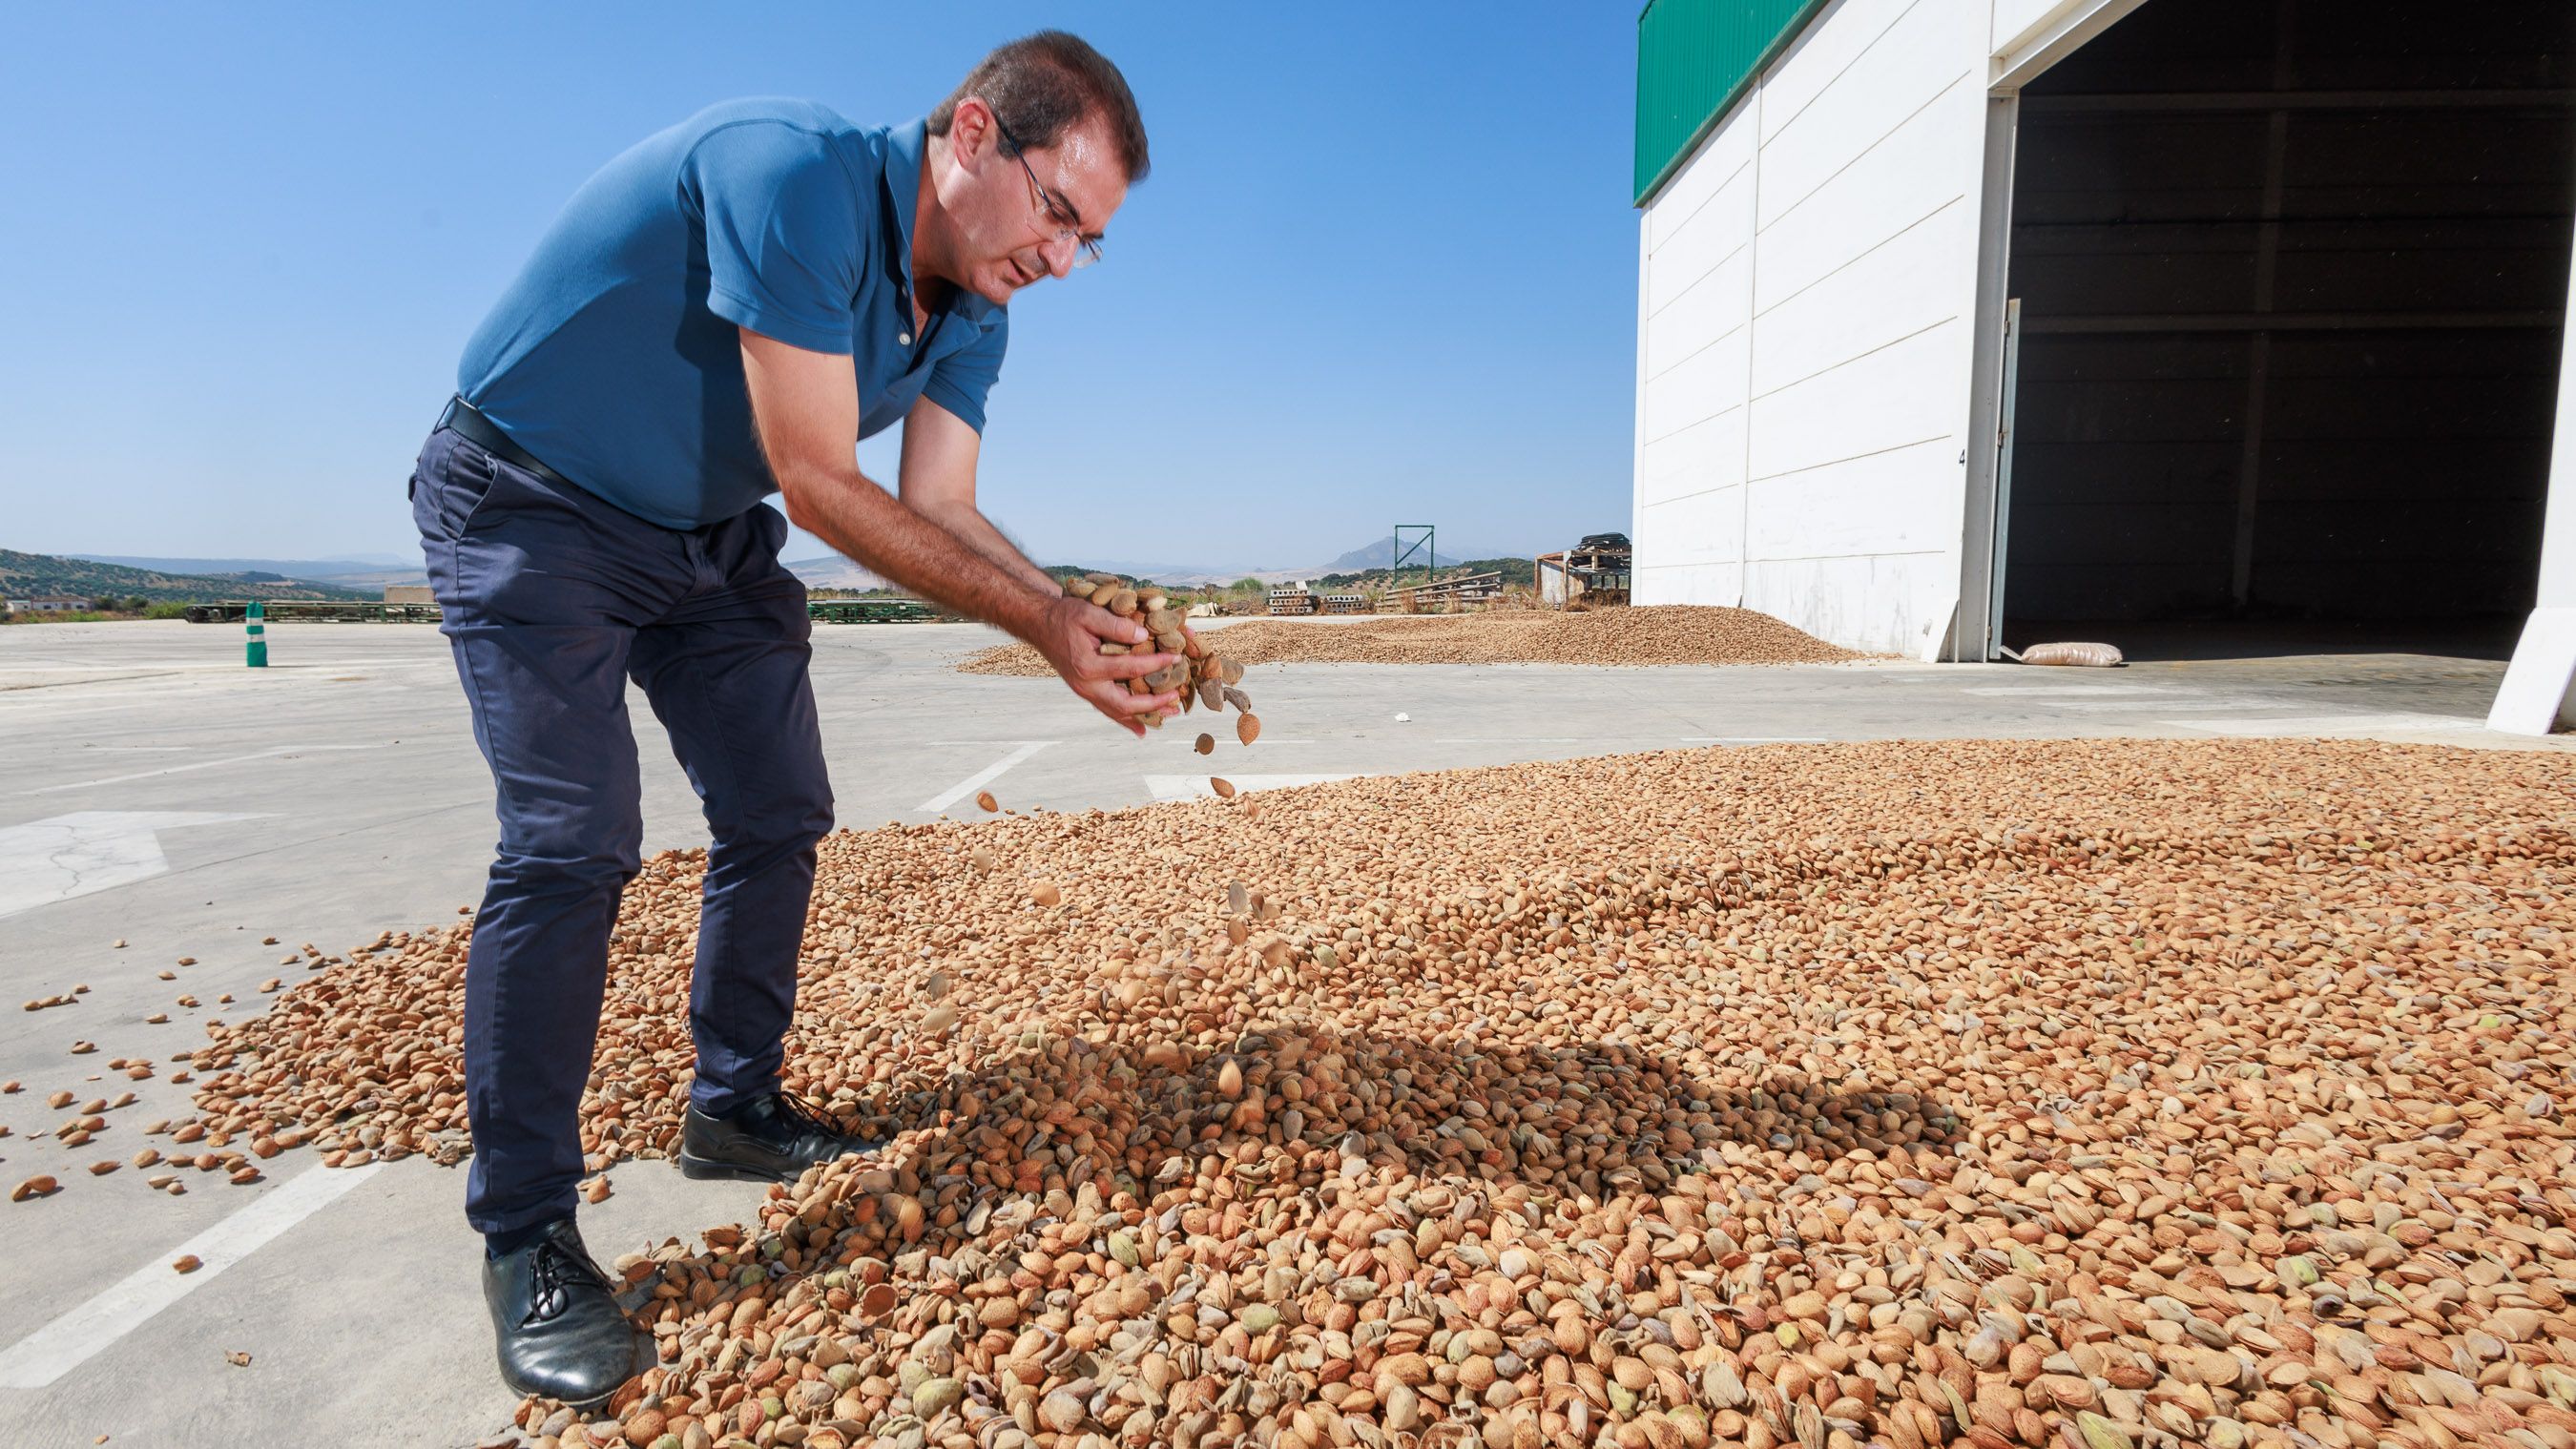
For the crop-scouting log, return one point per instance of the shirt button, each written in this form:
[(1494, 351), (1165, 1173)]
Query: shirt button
[(904, 337)]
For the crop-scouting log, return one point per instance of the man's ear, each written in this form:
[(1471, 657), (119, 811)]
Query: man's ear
[(970, 133)]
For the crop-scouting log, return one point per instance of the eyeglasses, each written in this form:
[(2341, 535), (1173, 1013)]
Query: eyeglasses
[(1068, 222)]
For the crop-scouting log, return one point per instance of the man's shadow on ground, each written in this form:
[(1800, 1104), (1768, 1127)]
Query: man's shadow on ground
[(1593, 1118)]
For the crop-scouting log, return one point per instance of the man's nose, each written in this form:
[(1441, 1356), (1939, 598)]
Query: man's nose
[(1059, 255)]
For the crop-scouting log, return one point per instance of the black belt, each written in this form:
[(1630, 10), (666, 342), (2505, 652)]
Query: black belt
[(468, 422)]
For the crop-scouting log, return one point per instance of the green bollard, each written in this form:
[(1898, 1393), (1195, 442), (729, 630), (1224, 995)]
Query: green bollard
[(258, 636)]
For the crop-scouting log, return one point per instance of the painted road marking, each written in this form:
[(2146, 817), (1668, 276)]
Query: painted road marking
[(69, 1341), (2105, 706), (980, 778), (86, 852), (2332, 724), (1196, 787), (1753, 739), (199, 765), (2042, 690)]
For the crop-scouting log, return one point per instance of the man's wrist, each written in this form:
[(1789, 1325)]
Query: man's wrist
[(1028, 611)]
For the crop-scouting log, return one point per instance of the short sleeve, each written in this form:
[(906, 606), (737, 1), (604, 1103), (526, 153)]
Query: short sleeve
[(962, 380), (782, 228)]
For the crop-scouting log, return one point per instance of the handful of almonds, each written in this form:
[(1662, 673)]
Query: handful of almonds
[(1203, 676)]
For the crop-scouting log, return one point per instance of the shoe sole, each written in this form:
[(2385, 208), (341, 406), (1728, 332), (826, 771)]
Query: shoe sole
[(705, 1170)]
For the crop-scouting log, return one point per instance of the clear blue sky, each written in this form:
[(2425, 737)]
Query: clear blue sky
[(1384, 269)]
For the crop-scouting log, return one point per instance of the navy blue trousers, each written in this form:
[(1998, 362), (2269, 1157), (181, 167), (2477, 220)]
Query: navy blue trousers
[(553, 600)]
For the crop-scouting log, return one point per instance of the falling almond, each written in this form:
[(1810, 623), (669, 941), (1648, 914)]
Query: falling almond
[(1224, 788), (1247, 727), (1229, 1080), (1045, 893), (1205, 744), (938, 1019), (188, 1264), (985, 799)]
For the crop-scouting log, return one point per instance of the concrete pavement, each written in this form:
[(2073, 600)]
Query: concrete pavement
[(155, 791)]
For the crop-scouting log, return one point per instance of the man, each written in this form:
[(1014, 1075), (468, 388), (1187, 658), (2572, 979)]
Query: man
[(720, 314)]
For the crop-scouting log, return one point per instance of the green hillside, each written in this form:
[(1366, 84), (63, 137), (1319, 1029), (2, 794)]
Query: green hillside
[(37, 575)]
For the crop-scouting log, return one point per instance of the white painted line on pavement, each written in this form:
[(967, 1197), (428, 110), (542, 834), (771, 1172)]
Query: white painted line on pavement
[(88, 851), (2332, 724), (2108, 706), (1196, 787), (980, 778), (2042, 690), (1522, 739), (199, 765), (69, 1341), (1753, 739)]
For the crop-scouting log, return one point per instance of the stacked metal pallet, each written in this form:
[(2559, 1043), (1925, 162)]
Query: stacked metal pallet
[(1463, 594)]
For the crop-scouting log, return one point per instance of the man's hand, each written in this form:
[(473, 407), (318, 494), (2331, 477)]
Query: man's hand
[(1071, 639), (805, 406)]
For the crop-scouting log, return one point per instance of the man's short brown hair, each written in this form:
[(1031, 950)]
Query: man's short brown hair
[(1042, 85)]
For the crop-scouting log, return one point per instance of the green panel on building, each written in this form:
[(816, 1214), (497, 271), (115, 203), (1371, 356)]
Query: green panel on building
[(1694, 57)]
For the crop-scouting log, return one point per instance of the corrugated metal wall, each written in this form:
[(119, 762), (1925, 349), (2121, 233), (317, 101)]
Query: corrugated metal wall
[(1806, 279), (1693, 58)]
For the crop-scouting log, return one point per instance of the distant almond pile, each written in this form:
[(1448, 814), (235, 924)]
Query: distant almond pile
[(2105, 1094), (1662, 634)]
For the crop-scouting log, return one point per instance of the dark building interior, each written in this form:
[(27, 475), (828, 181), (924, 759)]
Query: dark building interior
[(2291, 276)]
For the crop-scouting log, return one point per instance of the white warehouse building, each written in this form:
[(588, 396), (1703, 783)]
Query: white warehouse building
[(1963, 324)]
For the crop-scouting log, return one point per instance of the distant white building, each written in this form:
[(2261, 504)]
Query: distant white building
[(1963, 323)]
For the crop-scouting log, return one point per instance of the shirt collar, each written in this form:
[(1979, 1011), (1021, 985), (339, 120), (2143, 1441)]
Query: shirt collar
[(905, 147)]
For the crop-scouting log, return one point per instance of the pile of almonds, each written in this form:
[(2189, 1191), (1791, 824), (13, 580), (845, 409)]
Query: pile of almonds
[(1657, 634), (1202, 676), (2106, 1094)]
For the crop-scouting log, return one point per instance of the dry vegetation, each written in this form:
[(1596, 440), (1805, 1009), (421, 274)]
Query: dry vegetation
[(1664, 634), (2100, 1094)]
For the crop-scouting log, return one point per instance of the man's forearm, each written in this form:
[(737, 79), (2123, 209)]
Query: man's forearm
[(977, 532), (851, 513)]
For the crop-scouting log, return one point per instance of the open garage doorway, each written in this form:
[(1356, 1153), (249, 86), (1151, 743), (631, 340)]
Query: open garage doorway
[(2292, 278)]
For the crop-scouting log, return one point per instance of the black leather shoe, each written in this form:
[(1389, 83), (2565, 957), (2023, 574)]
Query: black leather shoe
[(561, 1333), (772, 1140)]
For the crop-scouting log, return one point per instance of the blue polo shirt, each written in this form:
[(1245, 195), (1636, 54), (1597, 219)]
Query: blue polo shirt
[(613, 356)]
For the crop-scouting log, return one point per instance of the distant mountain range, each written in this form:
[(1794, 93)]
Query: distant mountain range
[(834, 572), (366, 574), (1381, 554), (368, 571), (37, 575), (840, 573)]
